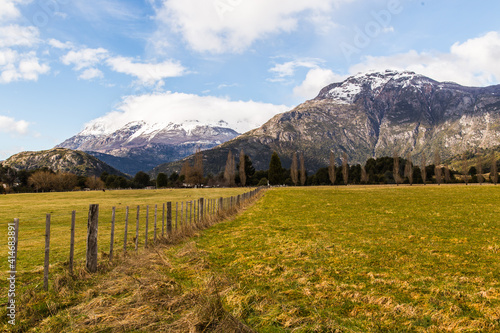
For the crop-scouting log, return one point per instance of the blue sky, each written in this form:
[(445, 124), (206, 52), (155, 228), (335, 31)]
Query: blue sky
[(68, 63)]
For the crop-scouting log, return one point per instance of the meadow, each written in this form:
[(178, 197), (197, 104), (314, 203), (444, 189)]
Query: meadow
[(316, 259), (31, 209), (363, 259)]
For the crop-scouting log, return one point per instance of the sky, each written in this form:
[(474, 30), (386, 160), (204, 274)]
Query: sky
[(66, 64)]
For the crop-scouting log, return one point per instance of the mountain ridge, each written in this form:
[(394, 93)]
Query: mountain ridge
[(61, 160), (372, 115), (140, 146)]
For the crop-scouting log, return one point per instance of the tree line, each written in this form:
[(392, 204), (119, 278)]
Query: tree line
[(239, 171)]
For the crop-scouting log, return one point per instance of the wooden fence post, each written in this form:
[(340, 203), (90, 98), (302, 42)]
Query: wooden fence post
[(182, 213), (156, 215), (201, 208), (163, 221), (147, 225), (113, 215), (72, 242), (92, 228), (176, 214), (137, 230), (190, 212), (126, 231), (169, 218)]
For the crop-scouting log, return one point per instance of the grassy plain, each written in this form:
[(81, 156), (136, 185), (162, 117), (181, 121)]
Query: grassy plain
[(323, 259), (31, 209), (363, 259)]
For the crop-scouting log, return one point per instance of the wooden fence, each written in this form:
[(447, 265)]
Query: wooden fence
[(175, 219)]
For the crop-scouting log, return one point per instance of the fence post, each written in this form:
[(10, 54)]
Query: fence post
[(113, 215), (156, 215), (72, 242), (201, 207), (163, 221), (126, 230), (92, 228), (176, 214), (190, 212), (169, 218), (147, 225), (137, 230), (219, 208)]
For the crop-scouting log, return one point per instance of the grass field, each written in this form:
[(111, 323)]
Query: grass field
[(363, 259), (32, 208), (324, 259)]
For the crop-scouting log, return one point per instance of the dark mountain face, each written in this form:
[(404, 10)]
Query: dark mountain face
[(373, 115)]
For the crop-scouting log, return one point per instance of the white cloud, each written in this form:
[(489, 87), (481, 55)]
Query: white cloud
[(473, 62), (17, 67), (147, 73), (10, 125), (60, 45), (232, 26), (91, 73), (9, 10), (179, 107), (85, 58), (289, 68), (15, 35), (316, 79)]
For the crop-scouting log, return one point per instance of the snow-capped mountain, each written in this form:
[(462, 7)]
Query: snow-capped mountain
[(140, 145), (372, 115)]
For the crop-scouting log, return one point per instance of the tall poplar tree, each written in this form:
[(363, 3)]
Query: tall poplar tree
[(345, 169), (303, 176), (423, 172), (331, 168), (243, 176), (229, 171), (437, 167), (294, 172)]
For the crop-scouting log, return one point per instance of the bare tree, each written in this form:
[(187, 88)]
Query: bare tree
[(364, 175), (294, 172), (41, 180), (423, 172), (494, 169), (480, 178), (437, 167), (409, 169), (94, 183), (186, 171), (331, 168), (395, 171), (345, 169), (229, 171), (303, 176), (197, 170), (243, 175), (447, 176), (465, 168)]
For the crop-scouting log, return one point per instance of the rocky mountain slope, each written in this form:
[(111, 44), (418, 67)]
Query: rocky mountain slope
[(61, 160), (372, 115), (141, 146)]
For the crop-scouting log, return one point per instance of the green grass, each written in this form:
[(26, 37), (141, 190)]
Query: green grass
[(323, 259), (363, 259), (32, 208)]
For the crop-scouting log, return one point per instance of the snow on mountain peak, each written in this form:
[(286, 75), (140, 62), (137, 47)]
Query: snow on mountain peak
[(346, 92)]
